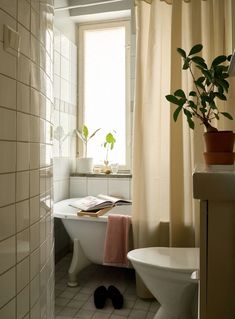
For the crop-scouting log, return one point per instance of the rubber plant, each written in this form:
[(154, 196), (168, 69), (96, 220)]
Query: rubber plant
[(210, 87), (85, 137)]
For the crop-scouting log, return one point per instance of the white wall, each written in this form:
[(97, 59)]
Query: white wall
[(26, 110)]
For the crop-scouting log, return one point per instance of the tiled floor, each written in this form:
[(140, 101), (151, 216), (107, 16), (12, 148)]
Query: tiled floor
[(78, 302)]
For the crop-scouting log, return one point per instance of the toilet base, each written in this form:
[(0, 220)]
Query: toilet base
[(163, 314)]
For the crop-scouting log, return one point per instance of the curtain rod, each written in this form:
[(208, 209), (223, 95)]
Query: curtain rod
[(86, 5)]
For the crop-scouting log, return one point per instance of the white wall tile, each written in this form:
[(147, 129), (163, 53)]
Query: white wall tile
[(34, 102), (22, 246), (34, 236), (7, 124), (23, 303), (5, 19), (7, 284), (7, 221), (23, 156), (24, 13), (35, 29), (34, 209), (8, 63), (8, 311), (24, 40), (34, 290), (34, 129), (22, 185), (78, 187), (96, 186), (7, 254), (119, 187), (35, 76), (23, 69), (23, 97), (61, 168), (61, 190), (34, 183), (35, 53), (35, 311), (22, 215), (8, 157), (22, 274), (7, 189), (34, 263), (23, 127), (7, 92)]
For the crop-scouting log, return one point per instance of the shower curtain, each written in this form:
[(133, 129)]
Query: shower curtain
[(165, 153)]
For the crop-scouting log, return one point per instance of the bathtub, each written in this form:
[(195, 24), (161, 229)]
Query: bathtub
[(87, 233)]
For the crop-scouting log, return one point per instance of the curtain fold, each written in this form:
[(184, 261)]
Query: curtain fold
[(164, 152)]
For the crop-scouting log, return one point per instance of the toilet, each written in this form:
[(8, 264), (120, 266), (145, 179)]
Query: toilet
[(167, 273)]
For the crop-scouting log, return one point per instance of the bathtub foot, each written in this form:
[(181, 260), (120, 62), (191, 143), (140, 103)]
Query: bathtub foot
[(79, 262)]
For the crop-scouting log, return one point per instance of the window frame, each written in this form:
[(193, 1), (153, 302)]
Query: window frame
[(126, 23)]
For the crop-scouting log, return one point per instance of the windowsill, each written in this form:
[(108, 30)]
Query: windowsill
[(102, 175)]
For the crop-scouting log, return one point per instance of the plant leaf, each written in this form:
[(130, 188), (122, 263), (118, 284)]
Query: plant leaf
[(219, 59), (181, 52), (172, 99), (195, 49), (227, 115), (180, 93), (192, 93), (85, 132), (176, 113), (93, 134), (186, 64), (199, 61), (190, 123)]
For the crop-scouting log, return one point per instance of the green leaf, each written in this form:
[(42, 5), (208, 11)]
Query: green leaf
[(190, 123), (219, 59), (172, 99), (223, 83), (187, 113), (176, 113), (199, 61), (203, 110), (192, 104), (195, 49), (93, 134), (85, 132), (221, 96), (180, 93), (229, 57), (186, 64), (227, 115), (192, 93), (216, 116), (181, 52)]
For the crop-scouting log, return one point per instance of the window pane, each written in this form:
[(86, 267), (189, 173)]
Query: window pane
[(104, 90)]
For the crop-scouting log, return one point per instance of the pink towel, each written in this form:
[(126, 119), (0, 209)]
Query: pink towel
[(117, 240)]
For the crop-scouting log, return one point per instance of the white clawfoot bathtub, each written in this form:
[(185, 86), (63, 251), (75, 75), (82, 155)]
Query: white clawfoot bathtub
[(87, 233)]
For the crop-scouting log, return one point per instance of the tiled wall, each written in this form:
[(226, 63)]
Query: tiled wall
[(26, 112), (83, 186), (65, 93)]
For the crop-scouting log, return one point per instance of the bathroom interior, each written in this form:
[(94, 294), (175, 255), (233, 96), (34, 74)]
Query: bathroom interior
[(108, 65)]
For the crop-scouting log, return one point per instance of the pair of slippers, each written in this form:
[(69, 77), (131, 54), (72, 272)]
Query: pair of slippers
[(101, 294)]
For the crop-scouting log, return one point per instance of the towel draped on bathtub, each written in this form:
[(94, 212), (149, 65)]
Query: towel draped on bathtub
[(117, 240)]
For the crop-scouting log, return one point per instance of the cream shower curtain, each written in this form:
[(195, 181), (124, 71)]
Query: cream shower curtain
[(165, 153)]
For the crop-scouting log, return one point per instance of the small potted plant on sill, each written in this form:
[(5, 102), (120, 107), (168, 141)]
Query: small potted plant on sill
[(108, 145), (202, 103), (85, 164)]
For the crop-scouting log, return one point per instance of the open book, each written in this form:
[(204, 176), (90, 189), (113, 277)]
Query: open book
[(92, 203)]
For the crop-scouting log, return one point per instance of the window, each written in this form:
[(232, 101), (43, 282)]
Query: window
[(104, 86)]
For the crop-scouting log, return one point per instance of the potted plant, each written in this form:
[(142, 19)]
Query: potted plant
[(211, 86), (108, 145), (85, 164)]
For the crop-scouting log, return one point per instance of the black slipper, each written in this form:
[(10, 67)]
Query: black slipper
[(116, 297), (100, 296)]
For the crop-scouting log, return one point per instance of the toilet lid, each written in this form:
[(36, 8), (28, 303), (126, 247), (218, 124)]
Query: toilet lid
[(164, 257)]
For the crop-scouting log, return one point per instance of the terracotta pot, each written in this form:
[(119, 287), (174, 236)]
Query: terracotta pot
[(219, 148), (222, 141), (219, 158)]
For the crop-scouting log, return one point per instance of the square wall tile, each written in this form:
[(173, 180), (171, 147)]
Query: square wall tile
[(24, 13), (23, 97), (22, 186), (34, 210), (5, 19), (8, 311), (34, 183), (7, 284), (22, 247), (34, 290), (34, 236), (23, 69), (61, 190), (24, 40), (35, 311), (8, 157), (22, 303), (78, 187), (23, 127), (35, 53), (22, 215), (8, 63), (34, 102), (34, 129), (7, 189), (22, 274), (7, 221), (96, 186), (119, 187), (35, 27), (7, 124), (34, 263), (7, 91), (7, 254), (22, 156), (34, 155)]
